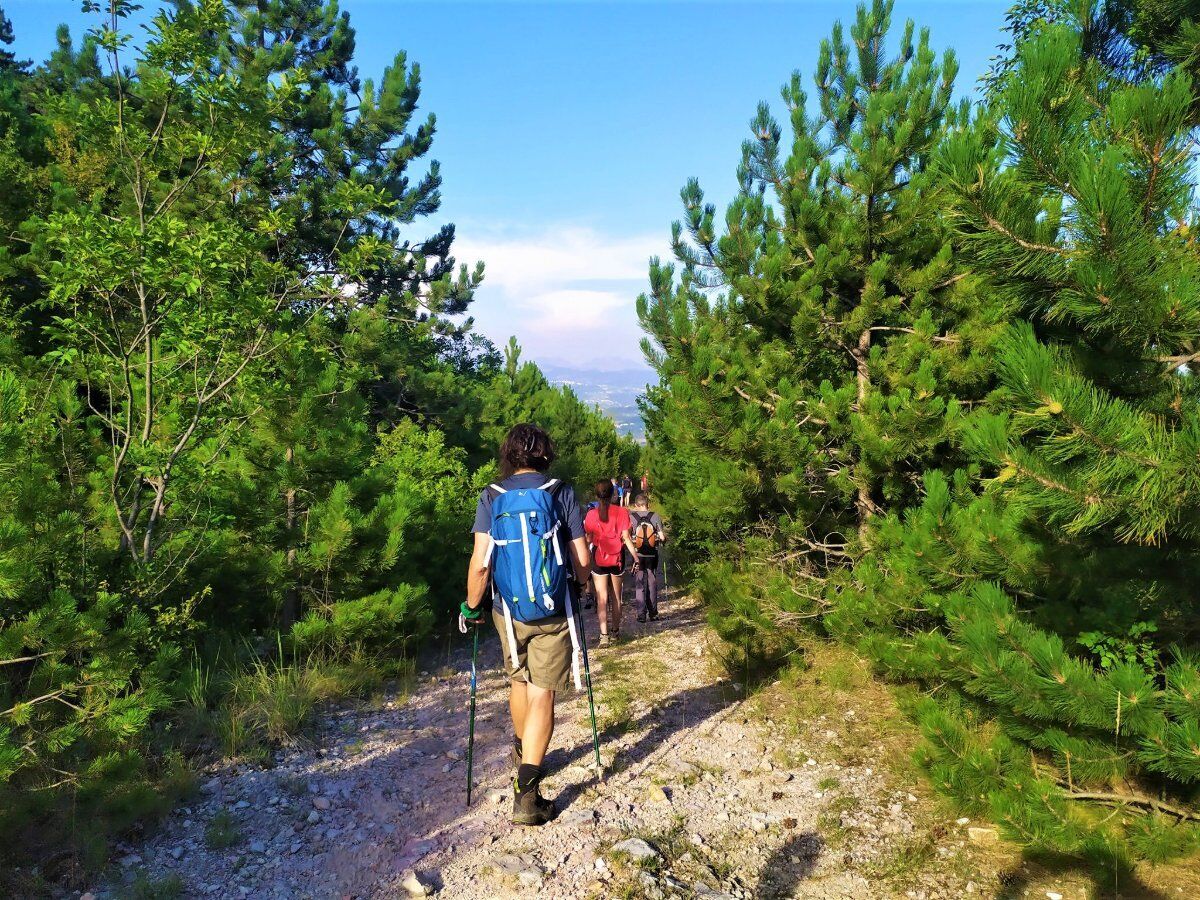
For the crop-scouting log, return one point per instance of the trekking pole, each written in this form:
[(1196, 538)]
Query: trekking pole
[(471, 732), (587, 680)]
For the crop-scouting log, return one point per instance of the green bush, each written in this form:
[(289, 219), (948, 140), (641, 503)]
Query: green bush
[(389, 622)]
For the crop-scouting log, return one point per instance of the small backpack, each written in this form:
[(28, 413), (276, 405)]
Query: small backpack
[(606, 538), (645, 538)]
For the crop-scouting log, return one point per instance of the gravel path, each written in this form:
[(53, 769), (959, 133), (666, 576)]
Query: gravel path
[(700, 799)]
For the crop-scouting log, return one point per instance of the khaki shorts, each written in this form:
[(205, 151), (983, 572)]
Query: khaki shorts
[(543, 651)]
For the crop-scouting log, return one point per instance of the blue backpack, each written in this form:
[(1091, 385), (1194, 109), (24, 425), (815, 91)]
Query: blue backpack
[(529, 571)]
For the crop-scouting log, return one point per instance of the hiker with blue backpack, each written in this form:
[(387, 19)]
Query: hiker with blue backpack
[(529, 540)]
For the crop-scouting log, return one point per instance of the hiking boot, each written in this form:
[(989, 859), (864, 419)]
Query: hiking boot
[(641, 618), (603, 640), (530, 808)]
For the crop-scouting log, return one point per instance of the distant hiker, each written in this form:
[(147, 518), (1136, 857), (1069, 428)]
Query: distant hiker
[(648, 537), (646, 483), (589, 593), (626, 491), (618, 491), (526, 525), (607, 527)]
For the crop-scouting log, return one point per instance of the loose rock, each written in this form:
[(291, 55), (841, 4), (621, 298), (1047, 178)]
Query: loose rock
[(412, 883), (636, 849)]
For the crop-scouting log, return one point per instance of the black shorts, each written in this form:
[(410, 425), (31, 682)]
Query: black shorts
[(609, 570)]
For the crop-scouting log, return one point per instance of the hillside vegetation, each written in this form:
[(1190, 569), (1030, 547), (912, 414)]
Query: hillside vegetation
[(242, 420), (927, 387)]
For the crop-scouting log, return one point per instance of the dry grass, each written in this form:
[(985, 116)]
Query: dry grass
[(831, 703)]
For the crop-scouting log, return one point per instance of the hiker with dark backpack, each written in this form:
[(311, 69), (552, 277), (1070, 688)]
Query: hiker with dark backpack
[(607, 528), (648, 537), (528, 537)]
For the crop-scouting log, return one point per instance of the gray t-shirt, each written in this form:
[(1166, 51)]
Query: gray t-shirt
[(568, 505)]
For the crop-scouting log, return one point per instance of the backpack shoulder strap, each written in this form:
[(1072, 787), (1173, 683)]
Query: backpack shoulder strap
[(551, 487)]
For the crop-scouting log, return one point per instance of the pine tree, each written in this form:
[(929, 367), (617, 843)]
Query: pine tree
[(832, 368), (1064, 592)]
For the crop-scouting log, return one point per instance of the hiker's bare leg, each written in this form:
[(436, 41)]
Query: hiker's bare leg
[(616, 601), (539, 724), (600, 583), (518, 703)]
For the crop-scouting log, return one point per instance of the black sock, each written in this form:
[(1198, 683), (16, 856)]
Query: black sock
[(528, 778), (517, 746)]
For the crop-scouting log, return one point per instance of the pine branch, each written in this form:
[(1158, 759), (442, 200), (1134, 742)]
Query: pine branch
[(936, 338), (996, 225)]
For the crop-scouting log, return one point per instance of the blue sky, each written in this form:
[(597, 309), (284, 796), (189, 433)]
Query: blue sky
[(566, 129)]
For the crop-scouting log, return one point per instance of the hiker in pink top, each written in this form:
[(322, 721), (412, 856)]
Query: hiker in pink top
[(609, 530)]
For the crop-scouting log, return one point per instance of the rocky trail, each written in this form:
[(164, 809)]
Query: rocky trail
[(705, 794)]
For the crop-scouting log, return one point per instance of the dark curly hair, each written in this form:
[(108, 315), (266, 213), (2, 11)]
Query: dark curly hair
[(526, 447)]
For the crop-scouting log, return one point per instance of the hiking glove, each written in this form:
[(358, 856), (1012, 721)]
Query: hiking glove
[(469, 618)]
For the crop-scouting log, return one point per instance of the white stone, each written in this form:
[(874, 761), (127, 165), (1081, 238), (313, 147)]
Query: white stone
[(529, 879), (1054, 895), (636, 849), (413, 885), (321, 802), (579, 817)]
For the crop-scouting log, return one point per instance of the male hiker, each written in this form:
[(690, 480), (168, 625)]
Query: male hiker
[(648, 536), (526, 527)]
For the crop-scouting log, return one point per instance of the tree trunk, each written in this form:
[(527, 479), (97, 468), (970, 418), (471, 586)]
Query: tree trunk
[(291, 595), (862, 502)]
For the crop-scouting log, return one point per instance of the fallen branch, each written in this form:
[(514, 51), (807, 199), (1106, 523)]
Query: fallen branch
[(1133, 800)]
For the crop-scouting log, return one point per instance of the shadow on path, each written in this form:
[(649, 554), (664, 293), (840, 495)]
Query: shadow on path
[(410, 782), (793, 862), (1016, 882)]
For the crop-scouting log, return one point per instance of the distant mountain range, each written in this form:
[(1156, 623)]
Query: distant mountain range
[(615, 391)]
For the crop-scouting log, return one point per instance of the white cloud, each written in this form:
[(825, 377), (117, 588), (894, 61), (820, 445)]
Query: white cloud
[(568, 293)]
